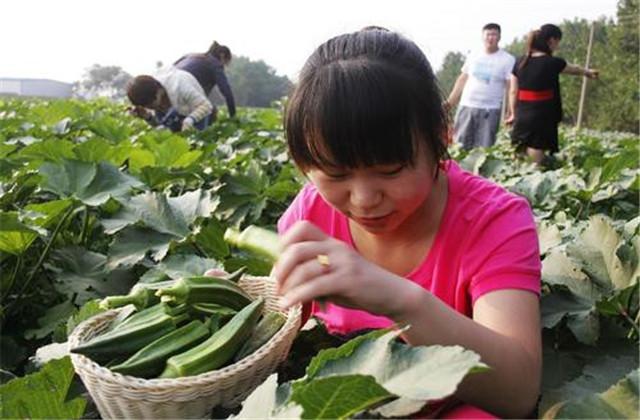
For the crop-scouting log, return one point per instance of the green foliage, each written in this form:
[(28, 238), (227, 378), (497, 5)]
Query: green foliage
[(449, 71), (93, 201), (363, 373), (42, 394)]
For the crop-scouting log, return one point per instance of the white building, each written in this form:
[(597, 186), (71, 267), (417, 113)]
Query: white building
[(35, 87)]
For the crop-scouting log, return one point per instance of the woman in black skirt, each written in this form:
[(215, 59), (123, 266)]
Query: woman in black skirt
[(535, 103)]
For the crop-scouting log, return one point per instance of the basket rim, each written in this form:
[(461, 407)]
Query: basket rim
[(83, 363)]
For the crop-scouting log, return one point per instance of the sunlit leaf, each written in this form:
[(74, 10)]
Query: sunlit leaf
[(42, 394)]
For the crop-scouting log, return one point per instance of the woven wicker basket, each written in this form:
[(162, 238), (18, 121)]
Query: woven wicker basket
[(122, 396)]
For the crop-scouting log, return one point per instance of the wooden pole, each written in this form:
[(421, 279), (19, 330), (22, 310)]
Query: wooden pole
[(583, 91)]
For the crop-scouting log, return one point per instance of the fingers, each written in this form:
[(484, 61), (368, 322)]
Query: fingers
[(323, 285), (296, 259), (302, 273)]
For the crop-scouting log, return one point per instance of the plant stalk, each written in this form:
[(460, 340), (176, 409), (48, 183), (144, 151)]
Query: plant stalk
[(13, 277), (44, 255)]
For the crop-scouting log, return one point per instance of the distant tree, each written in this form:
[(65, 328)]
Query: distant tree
[(254, 83), (449, 71), (102, 81)]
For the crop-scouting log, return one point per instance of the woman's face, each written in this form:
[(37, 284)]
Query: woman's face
[(380, 198), (553, 43)]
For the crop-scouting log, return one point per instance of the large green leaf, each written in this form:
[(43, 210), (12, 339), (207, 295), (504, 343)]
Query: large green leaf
[(619, 401), (50, 320), (339, 397), (93, 184), (110, 128), (210, 238), (595, 377), (84, 275), (15, 236), (19, 230), (169, 150), (597, 251), (42, 394), (177, 266), (169, 215), (560, 303), (345, 350), (50, 150), (549, 236), (132, 244), (558, 269), (417, 373), (98, 150)]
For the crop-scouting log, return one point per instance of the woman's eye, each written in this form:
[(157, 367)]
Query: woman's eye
[(335, 175), (392, 172)]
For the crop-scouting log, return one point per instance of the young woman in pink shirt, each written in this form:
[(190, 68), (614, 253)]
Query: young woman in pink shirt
[(389, 230)]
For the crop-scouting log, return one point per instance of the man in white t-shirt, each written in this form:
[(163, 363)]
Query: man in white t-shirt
[(479, 90)]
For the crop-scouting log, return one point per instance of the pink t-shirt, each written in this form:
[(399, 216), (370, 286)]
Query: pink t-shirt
[(486, 241)]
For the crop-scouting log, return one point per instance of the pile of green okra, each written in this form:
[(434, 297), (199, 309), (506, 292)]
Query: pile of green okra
[(182, 327)]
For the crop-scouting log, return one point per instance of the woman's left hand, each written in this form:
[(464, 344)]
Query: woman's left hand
[(343, 277)]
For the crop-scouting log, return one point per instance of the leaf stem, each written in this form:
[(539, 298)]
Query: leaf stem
[(44, 255), (85, 226), (199, 249), (13, 277), (626, 316)]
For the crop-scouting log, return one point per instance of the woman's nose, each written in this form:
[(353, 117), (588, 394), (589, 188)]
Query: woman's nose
[(365, 195)]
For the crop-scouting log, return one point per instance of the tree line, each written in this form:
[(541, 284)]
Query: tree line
[(612, 101)]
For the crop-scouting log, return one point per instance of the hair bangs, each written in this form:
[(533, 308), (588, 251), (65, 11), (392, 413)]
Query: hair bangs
[(354, 117)]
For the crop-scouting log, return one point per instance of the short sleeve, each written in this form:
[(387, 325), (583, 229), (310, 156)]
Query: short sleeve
[(467, 64), (506, 255), (516, 65), (560, 64)]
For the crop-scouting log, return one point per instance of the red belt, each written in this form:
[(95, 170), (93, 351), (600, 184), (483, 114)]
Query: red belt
[(535, 95)]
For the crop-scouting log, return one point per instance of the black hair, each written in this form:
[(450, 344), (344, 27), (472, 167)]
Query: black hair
[(365, 98), (142, 90), (538, 40), (221, 52), (492, 26)]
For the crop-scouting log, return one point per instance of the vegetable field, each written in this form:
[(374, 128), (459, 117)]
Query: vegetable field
[(93, 201)]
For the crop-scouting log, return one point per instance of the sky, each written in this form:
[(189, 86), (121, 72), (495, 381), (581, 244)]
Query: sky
[(60, 39)]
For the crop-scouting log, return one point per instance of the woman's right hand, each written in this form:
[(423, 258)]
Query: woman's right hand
[(592, 73), (315, 266)]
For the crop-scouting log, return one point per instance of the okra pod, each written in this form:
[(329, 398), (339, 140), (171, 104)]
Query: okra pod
[(128, 339), (200, 289), (262, 242), (207, 308), (257, 240), (218, 349), (150, 360), (268, 326), (142, 295)]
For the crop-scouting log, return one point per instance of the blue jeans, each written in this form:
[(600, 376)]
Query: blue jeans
[(173, 121)]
